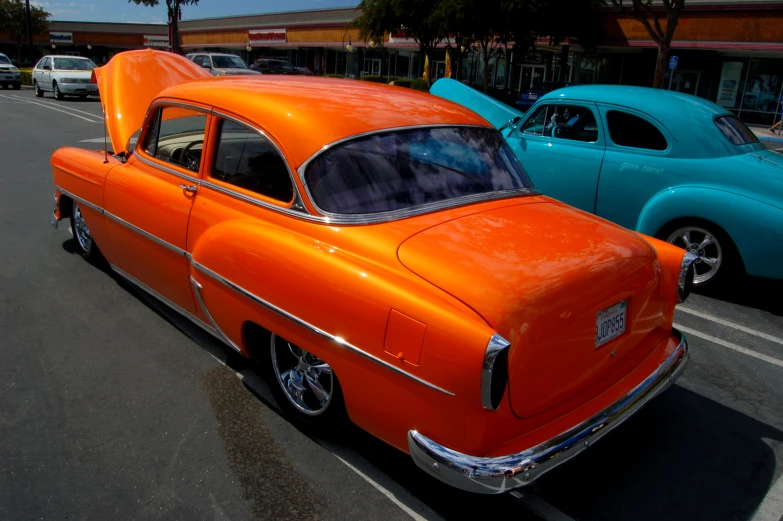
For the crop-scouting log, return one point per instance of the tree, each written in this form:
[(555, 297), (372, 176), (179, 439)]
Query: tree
[(418, 19), (172, 7), (13, 20), (457, 20), (650, 18)]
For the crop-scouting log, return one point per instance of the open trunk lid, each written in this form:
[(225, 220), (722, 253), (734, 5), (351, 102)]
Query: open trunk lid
[(539, 272)]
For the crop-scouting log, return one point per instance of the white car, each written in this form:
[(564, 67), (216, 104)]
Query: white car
[(9, 74), (64, 76), (220, 64)]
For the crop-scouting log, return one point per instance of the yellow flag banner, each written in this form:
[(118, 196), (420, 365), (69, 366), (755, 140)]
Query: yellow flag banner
[(448, 64), (426, 67)]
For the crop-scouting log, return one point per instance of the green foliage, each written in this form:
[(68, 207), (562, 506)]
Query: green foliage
[(13, 21), (420, 84), (334, 75), (378, 79), (27, 76), (403, 82)]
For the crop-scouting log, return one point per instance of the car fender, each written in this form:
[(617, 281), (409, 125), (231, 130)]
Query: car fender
[(752, 225)]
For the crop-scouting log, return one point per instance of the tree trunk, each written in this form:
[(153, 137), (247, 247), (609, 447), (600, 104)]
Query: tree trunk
[(422, 54), (19, 55), (661, 64), (486, 70), (175, 30)]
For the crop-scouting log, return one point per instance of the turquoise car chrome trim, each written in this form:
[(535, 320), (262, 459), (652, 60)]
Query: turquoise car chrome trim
[(495, 475)]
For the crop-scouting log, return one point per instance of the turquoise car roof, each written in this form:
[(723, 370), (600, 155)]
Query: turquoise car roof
[(688, 119)]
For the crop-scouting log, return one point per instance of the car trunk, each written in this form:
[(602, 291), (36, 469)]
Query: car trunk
[(539, 273)]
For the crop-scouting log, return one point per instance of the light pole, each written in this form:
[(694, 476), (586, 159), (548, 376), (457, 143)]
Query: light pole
[(29, 33), (348, 49)]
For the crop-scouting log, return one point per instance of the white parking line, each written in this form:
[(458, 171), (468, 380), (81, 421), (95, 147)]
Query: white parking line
[(730, 324), (729, 345), (771, 508), (20, 98), (48, 106)]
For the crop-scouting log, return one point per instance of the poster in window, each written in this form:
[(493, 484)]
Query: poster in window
[(729, 84)]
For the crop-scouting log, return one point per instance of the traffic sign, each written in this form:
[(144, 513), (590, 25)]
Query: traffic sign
[(673, 62)]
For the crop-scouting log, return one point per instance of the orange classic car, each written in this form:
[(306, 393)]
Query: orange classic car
[(383, 253)]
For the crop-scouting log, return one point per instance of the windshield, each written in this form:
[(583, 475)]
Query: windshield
[(735, 130), (228, 62), (73, 64), (401, 169), (4, 60)]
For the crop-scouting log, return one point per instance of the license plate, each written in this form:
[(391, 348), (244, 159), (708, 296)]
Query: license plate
[(610, 323), (532, 96)]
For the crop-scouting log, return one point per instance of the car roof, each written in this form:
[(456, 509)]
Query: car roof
[(688, 119), (65, 56), (304, 113)]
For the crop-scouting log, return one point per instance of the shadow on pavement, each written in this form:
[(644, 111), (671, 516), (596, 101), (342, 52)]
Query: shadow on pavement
[(752, 292)]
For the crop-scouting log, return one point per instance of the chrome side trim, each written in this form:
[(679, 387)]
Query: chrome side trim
[(143, 233), (494, 475), (495, 346), (263, 204), (293, 318), (168, 170), (197, 290), (88, 204), (164, 300), (686, 268)]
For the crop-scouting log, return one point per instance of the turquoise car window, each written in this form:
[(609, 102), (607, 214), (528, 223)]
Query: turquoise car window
[(629, 130), (402, 169), (565, 122), (735, 130)]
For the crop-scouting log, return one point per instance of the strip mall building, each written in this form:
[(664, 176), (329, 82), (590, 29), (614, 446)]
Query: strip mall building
[(730, 52)]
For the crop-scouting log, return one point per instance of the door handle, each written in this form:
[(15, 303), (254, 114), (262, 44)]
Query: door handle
[(189, 188)]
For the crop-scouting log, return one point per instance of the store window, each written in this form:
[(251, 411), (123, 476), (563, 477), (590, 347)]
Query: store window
[(762, 93)]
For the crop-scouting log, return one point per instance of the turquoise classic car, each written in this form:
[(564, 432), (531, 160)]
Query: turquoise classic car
[(666, 164)]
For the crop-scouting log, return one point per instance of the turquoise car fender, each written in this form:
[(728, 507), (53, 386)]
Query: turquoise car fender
[(754, 226)]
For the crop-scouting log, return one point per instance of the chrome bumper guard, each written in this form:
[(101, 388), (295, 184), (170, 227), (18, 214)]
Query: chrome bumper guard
[(495, 475)]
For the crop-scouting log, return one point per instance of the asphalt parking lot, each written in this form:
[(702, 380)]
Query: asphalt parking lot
[(114, 408)]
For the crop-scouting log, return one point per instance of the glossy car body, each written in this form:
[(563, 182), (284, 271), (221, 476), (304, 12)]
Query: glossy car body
[(453, 312), (64, 76), (689, 171), (272, 66), (220, 64), (9, 74)]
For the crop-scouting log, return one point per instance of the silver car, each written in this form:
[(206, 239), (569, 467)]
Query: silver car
[(220, 64), (9, 74), (64, 76)]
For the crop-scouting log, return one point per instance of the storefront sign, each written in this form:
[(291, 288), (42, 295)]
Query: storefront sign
[(401, 37), (729, 84), (55, 37), (156, 40), (260, 36)]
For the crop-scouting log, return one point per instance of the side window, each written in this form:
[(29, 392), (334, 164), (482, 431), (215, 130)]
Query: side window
[(632, 131), (274, 65), (248, 160), (44, 63), (176, 136), (572, 122), (286, 66)]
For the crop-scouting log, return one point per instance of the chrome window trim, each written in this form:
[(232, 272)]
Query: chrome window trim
[(197, 290), (303, 323), (495, 346), (393, 215), (168, 170)]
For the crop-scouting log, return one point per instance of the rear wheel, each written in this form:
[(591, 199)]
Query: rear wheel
[(718, 258), (58, 95), (37, 89)]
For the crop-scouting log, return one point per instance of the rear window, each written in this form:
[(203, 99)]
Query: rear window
[(402, 169), (735, 130)]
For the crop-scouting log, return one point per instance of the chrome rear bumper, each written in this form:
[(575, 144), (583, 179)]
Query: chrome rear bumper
[(495, 475)]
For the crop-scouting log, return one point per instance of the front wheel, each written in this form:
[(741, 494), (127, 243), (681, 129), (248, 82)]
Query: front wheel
[(17, 86), (37, 89), (307, 385), (717, 255), (58, 95), (87, 247)]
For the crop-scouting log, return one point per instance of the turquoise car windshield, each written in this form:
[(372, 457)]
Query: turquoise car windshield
[(400, 169), (735, 131)]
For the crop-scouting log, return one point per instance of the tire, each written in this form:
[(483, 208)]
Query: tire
[(58, 95), (5, 86), (719, 260), (298, 377), (17, 86), (81, 234), (37, 89)]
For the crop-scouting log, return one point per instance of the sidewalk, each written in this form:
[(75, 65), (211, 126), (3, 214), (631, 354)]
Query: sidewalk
[(764, 134)]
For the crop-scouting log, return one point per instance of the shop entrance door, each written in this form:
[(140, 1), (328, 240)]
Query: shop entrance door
[(686, 82), (372, 66), (438, 70), (531, 77)]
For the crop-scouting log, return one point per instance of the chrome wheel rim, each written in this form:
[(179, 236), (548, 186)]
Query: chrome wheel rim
[(706, 247), (81, 231), (36, 88), (306, 381)]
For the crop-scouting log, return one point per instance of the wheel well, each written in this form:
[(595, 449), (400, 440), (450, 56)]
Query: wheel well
[(724, 237), (66, 206), (255, 340)]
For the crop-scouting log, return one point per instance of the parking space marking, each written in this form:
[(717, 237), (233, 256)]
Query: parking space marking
[(540, 507), (729, 345), (730, 324), (20, 98), (48, 106), (771, 507)]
